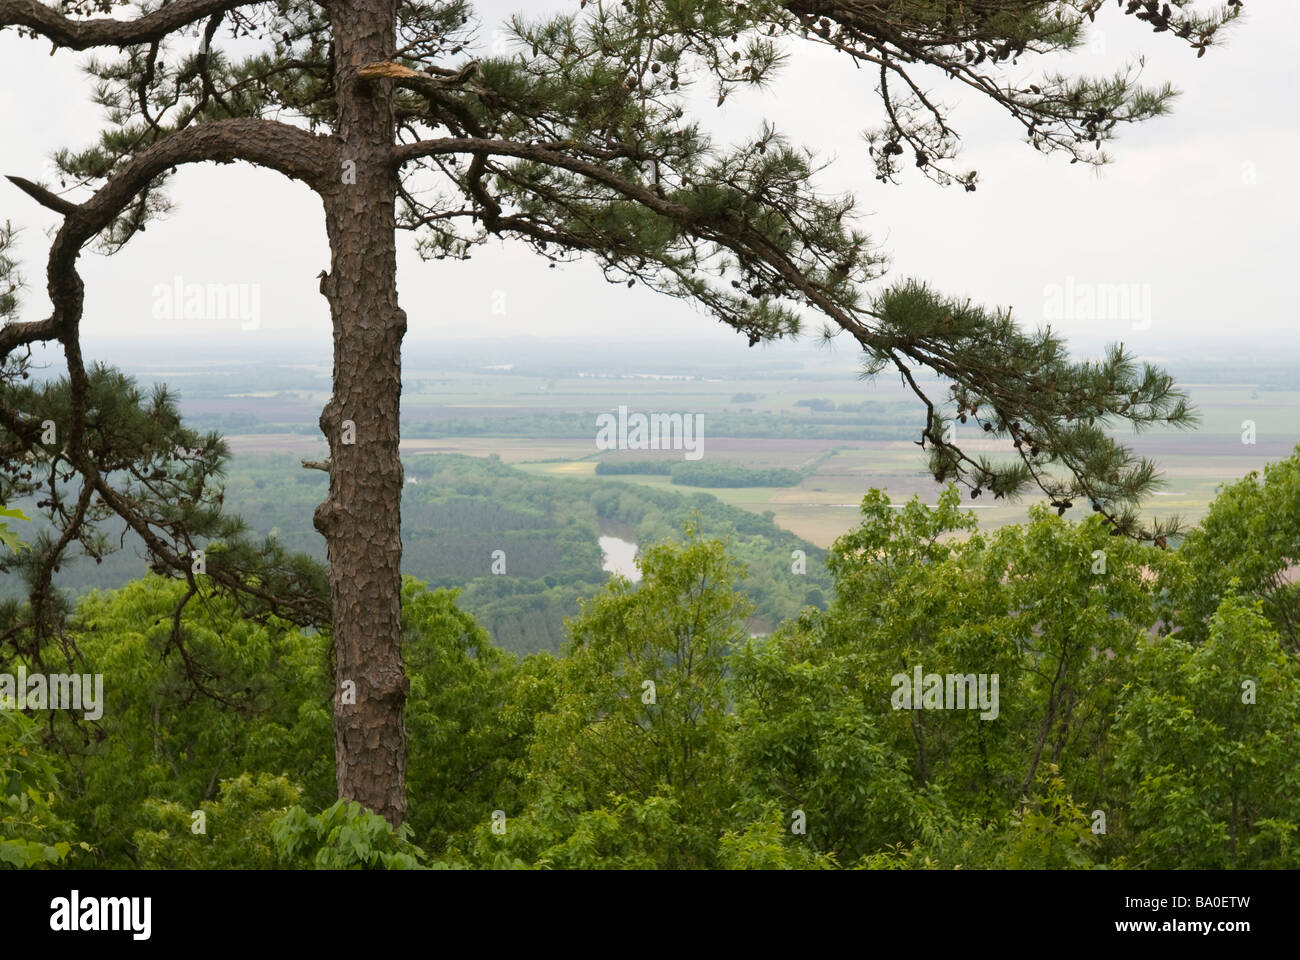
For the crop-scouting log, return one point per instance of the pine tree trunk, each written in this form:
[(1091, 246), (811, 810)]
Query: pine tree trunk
[(361, 519)]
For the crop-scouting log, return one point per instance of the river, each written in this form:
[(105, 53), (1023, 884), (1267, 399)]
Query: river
[(619, 556)]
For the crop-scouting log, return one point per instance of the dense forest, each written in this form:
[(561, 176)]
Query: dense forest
[(458, 511), (1146, 713), (698, 474)]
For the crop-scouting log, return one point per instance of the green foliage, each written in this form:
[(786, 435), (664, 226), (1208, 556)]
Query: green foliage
[(548, 529), (623, 834), (821, 733), (665, 735), (11, 279), (185, 710), (1055, 411), (464, 508), (464, 722), (238, 828), (346, 837), (639, 727), (32, 833), (8, 537), (166, 482), (766, 844), (700, 474), (1047, 831), (1250, 535), (1206, 744), (1050, 832)]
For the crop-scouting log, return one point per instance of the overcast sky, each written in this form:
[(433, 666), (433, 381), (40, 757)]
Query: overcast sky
[(1199, 209)]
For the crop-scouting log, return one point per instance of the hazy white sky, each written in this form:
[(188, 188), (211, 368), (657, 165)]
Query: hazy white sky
[(1199, 209)]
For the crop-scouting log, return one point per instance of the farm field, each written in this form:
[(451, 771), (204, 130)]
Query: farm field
[(825, 504)]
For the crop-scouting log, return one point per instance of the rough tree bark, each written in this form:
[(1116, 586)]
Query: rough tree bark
[(361, 519)]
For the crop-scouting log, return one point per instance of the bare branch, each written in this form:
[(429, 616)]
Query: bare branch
[(43, 196)]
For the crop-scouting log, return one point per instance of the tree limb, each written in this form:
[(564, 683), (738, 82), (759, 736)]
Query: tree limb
[(42, 196), (268, 143), (75, 34)]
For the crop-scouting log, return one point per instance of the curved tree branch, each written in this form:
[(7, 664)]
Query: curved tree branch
[(268, 143), (73, 34)]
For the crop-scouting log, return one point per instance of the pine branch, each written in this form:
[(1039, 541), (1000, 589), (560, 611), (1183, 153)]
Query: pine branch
[(73, 34)]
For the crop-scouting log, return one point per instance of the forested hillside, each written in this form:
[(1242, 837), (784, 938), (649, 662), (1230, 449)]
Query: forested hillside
[(462, 509), (457, 511), (1146, 715)]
